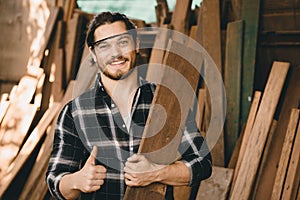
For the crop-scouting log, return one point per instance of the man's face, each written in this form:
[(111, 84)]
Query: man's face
[(115, 51)]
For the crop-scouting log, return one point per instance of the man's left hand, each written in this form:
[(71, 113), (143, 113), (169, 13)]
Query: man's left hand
[(139, 171)]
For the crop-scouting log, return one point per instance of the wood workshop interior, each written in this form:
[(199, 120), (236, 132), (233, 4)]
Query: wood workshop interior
[(253, 45)]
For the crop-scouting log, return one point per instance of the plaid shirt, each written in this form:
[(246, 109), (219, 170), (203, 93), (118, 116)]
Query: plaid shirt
[(92, 119)]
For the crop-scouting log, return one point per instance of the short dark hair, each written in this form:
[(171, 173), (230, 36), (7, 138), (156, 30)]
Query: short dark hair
[(108, 18)]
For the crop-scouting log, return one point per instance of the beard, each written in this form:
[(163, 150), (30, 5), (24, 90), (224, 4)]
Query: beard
[(116, 76)]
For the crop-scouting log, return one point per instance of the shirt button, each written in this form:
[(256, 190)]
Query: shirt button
[(112, 105)]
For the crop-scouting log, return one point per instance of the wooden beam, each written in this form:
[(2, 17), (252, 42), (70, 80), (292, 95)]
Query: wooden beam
[(246, 135), (250, 163), (14, 129), (267, 149), (155, 70), (39, 165), (28, 147), (209, 36), (291, 184), (236, 8), (290, 100), (180, 17), (162, 146), (200, 110), (232, 81), (250, 15), (285, 154), (217, 186)]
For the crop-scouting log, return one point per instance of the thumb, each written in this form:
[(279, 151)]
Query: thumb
[(93, 155)]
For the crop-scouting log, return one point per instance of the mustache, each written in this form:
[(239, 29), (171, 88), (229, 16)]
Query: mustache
[(113, 59)]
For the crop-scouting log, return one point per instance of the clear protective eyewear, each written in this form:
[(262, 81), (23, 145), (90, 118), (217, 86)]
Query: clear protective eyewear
[(122, 41)]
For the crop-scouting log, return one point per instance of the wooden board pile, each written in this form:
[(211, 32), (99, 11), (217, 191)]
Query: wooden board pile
[(259, 161)]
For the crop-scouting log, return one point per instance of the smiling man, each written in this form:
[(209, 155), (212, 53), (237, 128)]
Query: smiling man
[(98, 133)]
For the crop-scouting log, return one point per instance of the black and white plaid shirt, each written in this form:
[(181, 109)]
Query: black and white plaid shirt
[(92, 119)]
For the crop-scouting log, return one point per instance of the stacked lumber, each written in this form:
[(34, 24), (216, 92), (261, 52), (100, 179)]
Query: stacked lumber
[(28, 113)]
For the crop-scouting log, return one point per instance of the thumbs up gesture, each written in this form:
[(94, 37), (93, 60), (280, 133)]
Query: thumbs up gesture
[(91, 176)]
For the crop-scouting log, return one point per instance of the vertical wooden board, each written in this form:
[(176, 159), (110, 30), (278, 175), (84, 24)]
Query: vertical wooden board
[(292, 180), (291, 100), (285, 155), (74, 44), (172, 91), (180, 17), (250, 121), (211, 28), (70, 45), (236, 8), (155, 71), (250, 163), (210, 38), (200, 109), (217, 186), (57, 64), (250, 15), (232, 81)]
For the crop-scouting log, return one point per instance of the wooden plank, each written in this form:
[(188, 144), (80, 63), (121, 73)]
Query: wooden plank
[(155, 71), (40, 191), (39, 166), (180, 17), (173, 95), (210, 38), (250, 163), (74, 45), (236, 9), (232, 81), (291, 184), (248, 128), (285, 154), (25, 89), (39, 91), (290, 100), (250, 15), (267, 149), (200, 110), (28, 147), (36, 60), (217, 186), (69, 6), (13, 131), (57, 66)]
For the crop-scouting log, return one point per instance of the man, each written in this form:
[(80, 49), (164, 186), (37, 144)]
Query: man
[(98, 133)]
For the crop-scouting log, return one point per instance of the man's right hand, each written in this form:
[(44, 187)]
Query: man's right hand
[(91, 177)]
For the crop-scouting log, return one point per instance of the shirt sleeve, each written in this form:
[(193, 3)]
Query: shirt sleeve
[(67, 152), (195, 153)]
